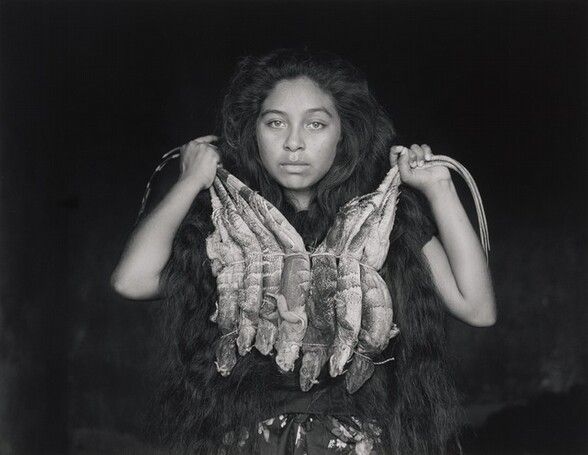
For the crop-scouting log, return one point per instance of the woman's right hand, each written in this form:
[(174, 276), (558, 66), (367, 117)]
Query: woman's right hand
[(198, 161)]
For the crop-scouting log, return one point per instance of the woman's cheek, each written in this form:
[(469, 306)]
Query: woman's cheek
[(265, 152), (329, 147)]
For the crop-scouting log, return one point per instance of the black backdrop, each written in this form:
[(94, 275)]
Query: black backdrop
[(92, 93)]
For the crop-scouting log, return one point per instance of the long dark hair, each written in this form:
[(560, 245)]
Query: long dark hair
[(412, 399), (366, 132)]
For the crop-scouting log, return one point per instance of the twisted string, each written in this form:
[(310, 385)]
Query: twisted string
[(344, 256), (382, 362), (286, 255), (227, 334), (368, 358)]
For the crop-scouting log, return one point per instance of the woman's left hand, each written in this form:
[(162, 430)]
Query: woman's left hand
[(413, 171)]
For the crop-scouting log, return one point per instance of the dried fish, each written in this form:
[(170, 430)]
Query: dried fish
[(229, 268), (348, 296), (320, 333), (377, 326), (321, 319), (267, 329), (251, 301), (294, 286)]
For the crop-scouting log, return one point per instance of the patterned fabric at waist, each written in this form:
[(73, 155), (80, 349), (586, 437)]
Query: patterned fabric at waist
[(310, 434)]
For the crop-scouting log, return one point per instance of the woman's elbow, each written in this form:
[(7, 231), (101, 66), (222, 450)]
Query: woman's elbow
[(120, 285), (134, 289), (486, 321), (482, 317)]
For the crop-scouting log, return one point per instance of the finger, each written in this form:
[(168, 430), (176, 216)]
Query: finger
[(428, 152), (394, 153), (420, 154), (412, 157), (403, 163)]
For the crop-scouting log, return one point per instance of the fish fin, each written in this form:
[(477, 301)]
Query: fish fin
[(361, 369)]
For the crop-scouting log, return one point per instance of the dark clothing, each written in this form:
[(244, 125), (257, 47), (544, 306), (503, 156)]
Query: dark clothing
[(327, 397), (311, 434)]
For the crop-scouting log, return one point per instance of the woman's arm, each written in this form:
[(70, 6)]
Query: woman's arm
[(457, 262), (137, 274)]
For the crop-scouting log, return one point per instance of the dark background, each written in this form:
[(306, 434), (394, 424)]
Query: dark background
[(92, 93)]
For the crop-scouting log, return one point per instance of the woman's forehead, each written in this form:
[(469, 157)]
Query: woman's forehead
[(300, 94)]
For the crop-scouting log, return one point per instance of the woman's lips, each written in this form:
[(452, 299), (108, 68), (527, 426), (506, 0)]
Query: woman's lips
[(294, 167)]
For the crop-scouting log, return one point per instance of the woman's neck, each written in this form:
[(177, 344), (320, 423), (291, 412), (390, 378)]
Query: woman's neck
[(299, 199)]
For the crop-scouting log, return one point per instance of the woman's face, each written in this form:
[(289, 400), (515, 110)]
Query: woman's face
[(297, 134)]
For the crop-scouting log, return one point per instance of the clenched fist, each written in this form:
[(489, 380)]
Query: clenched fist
[(415, 171), (198, 161)]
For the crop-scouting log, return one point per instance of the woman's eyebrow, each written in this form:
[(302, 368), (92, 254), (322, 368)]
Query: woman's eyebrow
[(308, 111), (272, 111), (320, 109)]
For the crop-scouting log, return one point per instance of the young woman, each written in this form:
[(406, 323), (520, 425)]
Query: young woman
[(304, 131)]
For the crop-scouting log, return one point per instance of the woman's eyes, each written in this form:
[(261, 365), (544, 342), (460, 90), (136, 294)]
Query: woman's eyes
[(275, 124), (317, 125), (281, 124)]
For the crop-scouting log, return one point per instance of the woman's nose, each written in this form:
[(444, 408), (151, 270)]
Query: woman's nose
[(294, 141)]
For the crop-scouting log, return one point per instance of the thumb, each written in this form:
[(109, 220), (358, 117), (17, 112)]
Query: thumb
[(394, 153), (210, 138), (403, 165)]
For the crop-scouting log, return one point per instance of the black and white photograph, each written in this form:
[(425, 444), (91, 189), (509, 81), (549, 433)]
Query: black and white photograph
[(293, 227)]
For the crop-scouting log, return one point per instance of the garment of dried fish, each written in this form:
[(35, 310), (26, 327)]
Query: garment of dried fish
[(251, 301), (348, 296), (377, 326), (317, 344), (227, 246), (229, 268), (321, 318), (243, 196), (378, 241)]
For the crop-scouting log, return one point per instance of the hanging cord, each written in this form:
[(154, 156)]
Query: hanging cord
[(166, 158), (464, 173)]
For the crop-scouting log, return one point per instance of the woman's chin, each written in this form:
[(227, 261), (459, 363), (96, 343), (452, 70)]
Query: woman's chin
[(295, 182)]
